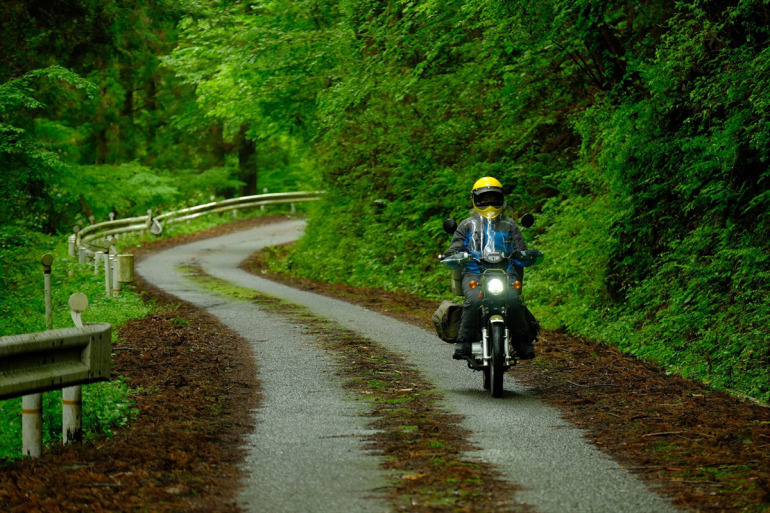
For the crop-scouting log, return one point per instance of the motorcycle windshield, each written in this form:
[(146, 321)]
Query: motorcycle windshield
[(490, 240)]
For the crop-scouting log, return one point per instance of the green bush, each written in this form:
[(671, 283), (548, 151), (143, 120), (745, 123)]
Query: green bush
[(640, 142)]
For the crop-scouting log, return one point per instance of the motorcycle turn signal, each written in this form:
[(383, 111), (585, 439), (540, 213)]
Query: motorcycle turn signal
[(516, 285)]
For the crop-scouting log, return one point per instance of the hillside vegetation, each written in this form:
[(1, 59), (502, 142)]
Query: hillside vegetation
[(636, 131)]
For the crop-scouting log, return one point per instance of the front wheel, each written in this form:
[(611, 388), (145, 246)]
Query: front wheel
[(497, 365)]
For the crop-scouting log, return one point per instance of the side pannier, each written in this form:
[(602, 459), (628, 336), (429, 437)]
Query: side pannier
[(446, 319)]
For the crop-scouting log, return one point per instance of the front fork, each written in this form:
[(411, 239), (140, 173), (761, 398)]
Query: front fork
[(483, 350)]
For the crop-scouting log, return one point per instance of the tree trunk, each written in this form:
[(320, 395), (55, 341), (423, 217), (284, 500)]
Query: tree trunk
[(247, 163)]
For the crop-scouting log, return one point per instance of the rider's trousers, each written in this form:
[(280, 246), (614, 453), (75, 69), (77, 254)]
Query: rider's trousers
[(470, 330)]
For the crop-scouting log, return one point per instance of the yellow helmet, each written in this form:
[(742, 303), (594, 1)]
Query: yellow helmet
[(487, 196)]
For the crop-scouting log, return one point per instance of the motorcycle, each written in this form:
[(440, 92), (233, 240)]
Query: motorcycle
[(499, 283)]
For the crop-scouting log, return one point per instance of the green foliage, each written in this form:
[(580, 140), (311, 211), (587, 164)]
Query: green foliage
[(690, 251), (30, 167), (638, 132)]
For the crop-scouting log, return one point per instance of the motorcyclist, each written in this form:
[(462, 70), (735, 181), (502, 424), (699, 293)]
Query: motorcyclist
[(488, 229)]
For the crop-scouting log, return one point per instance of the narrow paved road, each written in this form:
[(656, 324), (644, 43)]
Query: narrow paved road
[(306, 453)]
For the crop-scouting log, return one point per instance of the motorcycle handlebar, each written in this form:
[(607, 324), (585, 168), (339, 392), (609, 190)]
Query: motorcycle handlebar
[(522, 258)]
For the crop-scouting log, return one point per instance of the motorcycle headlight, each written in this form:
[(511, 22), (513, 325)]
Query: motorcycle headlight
[(495, 286)]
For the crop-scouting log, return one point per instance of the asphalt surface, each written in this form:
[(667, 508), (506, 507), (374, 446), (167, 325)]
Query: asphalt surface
[(306, 453)]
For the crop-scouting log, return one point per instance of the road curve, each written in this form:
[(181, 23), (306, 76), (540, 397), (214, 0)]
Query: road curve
[(302, 454)]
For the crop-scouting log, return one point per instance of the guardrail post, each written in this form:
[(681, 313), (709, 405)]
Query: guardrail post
[(125, 268), (115, 277), (111, 254), (72, 414), (97, 259), (72, 397), (32, 425), (107, 275)]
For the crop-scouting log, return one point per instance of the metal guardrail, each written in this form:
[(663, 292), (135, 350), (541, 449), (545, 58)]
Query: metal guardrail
[(87, 236), (50, 360), (65, 359)]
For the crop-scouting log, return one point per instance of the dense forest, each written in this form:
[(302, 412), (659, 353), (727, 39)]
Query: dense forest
[(637, 132)]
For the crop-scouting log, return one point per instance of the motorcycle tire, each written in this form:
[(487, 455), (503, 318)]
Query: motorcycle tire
[(497, 365)]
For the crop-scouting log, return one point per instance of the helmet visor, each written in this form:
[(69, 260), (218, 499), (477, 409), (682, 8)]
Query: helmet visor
[(489, 199)]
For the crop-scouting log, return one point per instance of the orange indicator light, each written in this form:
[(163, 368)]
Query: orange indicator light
[(516, 285), (473, 284)]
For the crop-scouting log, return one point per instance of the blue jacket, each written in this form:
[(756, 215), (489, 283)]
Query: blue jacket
[(477, 234)]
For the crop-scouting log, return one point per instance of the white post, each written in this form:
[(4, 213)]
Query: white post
[(72, 397), (32, 425), (125, 268), (97, 260), (115, 272), (72, 414), (107, 275), (72, 246)]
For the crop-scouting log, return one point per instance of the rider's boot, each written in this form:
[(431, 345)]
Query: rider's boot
[(463, 350), (526, 351)]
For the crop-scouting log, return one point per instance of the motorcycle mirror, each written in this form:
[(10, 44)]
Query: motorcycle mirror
[(527, 220), (450, 226)]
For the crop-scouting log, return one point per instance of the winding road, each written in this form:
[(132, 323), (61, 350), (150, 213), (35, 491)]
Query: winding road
[(307, 451)]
